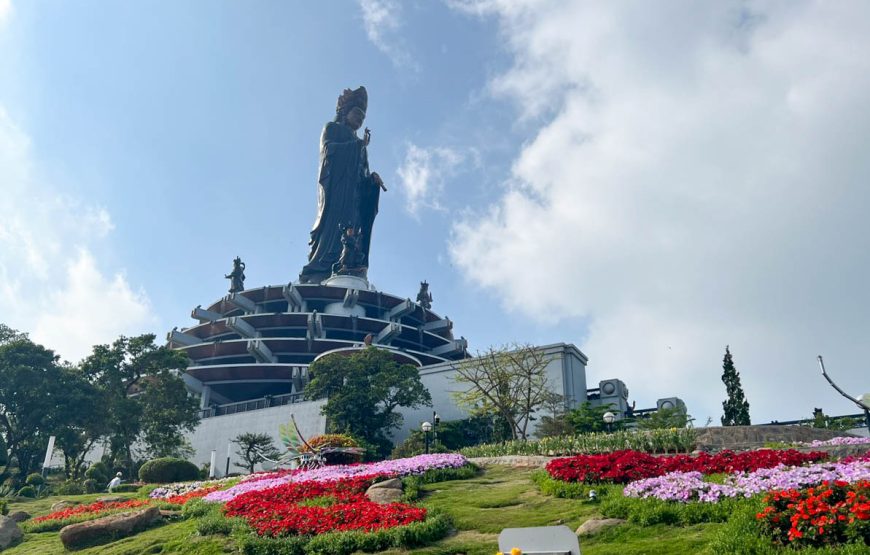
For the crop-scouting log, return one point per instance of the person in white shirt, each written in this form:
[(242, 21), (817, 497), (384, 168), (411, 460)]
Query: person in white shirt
[(116, 481)]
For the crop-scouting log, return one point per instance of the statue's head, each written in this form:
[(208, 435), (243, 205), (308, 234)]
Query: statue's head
[(237, 262), (424, 286), (351, 107)]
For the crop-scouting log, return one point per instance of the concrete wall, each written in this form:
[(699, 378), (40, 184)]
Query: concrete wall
[(217, 432), (566, 375)]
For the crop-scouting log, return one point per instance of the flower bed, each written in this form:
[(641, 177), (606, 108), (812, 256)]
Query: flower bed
[(690, 486), (183, 488), (317, 507), (830, 514), (399, 467), (622, 467), (80, 513), (837, 441)]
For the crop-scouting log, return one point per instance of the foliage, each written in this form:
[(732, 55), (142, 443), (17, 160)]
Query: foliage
[(336, 441), (364, 391), (252, 448), (4, 507), (35, 479), (829, 514), (69, 487), (673, 417), (651, 441), (125, 488), (622, 467), (158, 413), (27, 491), (99, 472), (415, 444), (4, 457), (736, 407), (80, 513), (509, 382), (91, 486), (648, 512), (168, 469), (32, 385), (841, 423), (590, 418)]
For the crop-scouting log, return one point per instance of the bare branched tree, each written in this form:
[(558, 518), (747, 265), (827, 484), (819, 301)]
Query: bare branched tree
[(509, 382)]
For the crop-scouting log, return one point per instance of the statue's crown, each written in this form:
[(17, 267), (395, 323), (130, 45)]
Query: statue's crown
[(351, 99)]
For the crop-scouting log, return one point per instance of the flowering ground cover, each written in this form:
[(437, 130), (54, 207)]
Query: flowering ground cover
[(398, 467), (837, 441), (690, 486), (831, 514), (621, 467), (81, 513), (182, 488), (318, 507)]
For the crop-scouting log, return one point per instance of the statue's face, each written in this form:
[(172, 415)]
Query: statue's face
[(355, 118)]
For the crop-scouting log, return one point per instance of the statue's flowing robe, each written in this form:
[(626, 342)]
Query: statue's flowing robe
[(346, 195)]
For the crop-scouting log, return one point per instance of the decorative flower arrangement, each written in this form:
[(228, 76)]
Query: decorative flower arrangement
[(194, 494), (690, 486), (80, 513), (317, 507), (183, 488), (398, 467), (622, 467), (837, 441), (830, 514)]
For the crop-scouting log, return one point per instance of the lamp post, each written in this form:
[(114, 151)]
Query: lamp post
[(608, 419), (426, 427)]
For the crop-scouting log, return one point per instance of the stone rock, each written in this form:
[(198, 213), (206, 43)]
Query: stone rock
[(9, 532), (110, 499), (60, 505), (19, 516), (165, 513), (595, 525), (108, 528), (392, 483), (384, 496)]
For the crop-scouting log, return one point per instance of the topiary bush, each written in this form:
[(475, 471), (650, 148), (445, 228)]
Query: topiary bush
[(168, 469), (27, 491), (34, 480), (69, 487), (91, 485), (99, 472), (126, 488)]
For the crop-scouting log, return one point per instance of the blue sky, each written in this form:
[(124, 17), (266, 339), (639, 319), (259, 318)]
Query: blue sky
[(649, 184)]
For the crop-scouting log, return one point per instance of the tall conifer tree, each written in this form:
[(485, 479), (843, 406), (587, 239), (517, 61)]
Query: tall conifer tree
[(736, 406)]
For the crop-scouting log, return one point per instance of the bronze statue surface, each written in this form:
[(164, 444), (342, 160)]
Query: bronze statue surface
[(237, 276), (347, 191)]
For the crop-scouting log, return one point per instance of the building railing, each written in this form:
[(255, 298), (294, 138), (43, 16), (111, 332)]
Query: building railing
[(253, 404)]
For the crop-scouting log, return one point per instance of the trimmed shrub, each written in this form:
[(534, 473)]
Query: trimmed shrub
[(90, 485), (168, 469), (34, 480), (126, 488), (99, 472), (27, 491), (68, 488), (647, 512)]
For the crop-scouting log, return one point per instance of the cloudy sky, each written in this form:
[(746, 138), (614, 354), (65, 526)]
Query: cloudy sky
[(649, 181)]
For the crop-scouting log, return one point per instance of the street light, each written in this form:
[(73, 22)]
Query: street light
[(608, 419), (426, 427)]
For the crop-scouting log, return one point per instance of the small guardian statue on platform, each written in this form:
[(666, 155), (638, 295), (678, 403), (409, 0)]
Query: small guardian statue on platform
[(424, 297), (237, 276), (351, 262)]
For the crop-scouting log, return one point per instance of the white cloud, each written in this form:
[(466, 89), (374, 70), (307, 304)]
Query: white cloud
[(50, 282), (382, 20), (6, 11), (699, 179), (423, 173)]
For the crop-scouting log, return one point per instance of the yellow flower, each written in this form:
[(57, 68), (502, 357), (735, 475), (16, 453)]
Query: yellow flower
[(516, 551), (499, 553)]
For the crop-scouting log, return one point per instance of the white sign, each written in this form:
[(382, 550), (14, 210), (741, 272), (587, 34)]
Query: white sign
[(48, 451)]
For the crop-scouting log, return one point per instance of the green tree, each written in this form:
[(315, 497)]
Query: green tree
[(509, 382), (363, 391), (253, 448), (736, 407), (143, 395), (84, 417), (31, 387), (664, 418), (590, 418)]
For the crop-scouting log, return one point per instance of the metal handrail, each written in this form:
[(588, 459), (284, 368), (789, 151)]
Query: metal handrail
[(253, 404)]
